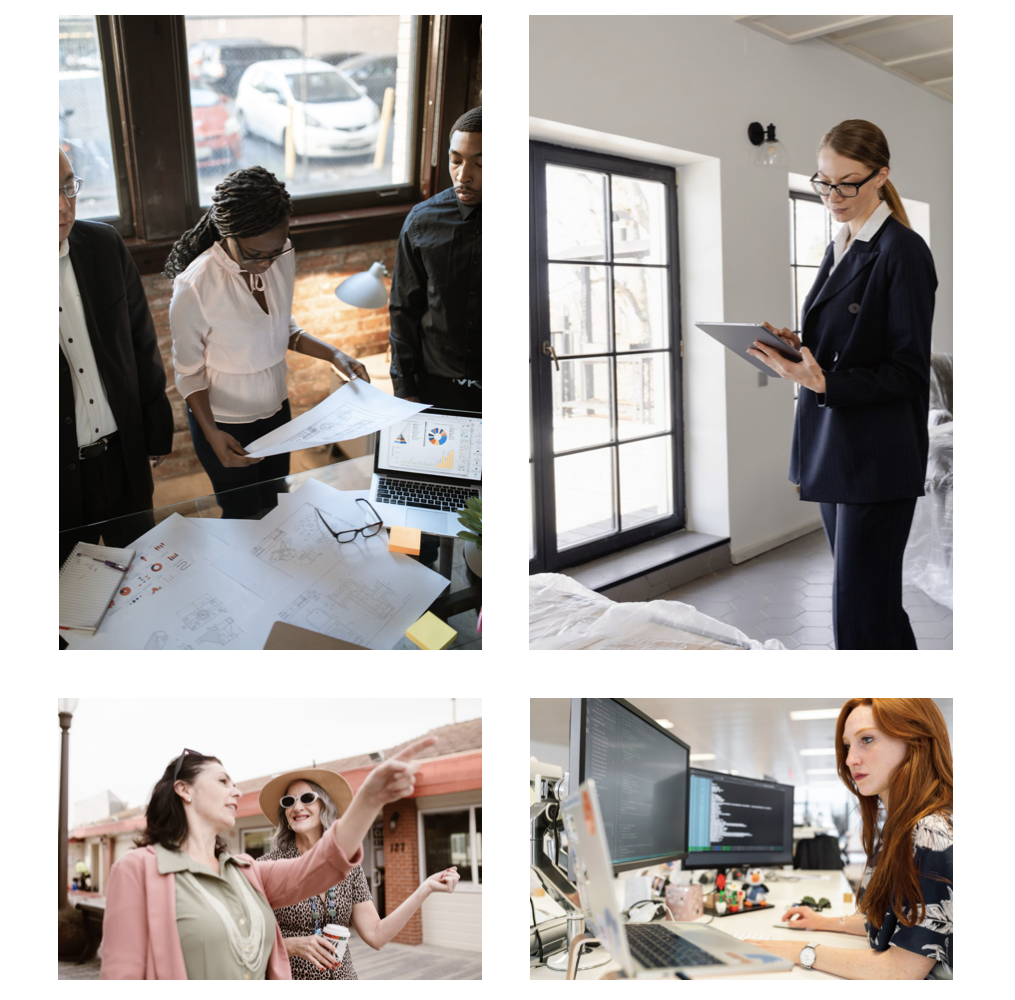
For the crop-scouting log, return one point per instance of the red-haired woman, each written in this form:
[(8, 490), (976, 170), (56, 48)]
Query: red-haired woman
[(895, 757)]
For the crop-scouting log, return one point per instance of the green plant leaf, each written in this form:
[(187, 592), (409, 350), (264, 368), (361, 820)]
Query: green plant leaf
[(469, 537)]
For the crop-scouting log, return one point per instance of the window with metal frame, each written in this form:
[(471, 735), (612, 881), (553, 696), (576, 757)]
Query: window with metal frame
[(452, 836), (810, 227), (606, 458)]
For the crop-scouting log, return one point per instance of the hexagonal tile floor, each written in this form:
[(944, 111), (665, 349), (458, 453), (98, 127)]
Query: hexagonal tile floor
[(787, 594)]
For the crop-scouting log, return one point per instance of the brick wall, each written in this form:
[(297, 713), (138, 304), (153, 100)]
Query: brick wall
[(401, 866), (358, 332)]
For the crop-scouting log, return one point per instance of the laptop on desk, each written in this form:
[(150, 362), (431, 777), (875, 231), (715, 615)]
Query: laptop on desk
[(665, 950), (426, 467)]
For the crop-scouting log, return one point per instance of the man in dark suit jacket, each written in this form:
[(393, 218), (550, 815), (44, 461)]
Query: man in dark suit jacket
[(115, 417)]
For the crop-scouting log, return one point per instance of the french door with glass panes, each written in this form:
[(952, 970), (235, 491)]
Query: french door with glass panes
[(606, 458)]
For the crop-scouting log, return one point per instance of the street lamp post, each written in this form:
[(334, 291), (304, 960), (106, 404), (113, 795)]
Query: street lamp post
[(66, 709)]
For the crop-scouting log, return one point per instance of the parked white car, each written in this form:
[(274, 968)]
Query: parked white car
[(331, 115)]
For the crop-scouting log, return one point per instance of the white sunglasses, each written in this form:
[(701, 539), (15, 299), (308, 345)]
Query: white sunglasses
[(287, 801)]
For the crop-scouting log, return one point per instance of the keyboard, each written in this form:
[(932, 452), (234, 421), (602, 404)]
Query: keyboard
[(657, 948), (432, 495)]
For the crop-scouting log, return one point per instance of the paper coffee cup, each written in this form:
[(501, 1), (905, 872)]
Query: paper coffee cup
[(339, 937)]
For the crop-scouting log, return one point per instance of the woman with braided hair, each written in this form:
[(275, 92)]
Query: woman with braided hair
[(231, 320)]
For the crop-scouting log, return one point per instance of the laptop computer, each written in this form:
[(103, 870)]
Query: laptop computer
[(665, 950), (426, 467)]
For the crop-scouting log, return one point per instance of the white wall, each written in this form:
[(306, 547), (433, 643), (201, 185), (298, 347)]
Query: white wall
[(689, 86)]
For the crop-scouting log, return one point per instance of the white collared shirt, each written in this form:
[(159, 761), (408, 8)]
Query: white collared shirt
[(224, 342), (868, 230), (92, 415)]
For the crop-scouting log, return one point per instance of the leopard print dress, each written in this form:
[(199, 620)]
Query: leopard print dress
[(298, 920)]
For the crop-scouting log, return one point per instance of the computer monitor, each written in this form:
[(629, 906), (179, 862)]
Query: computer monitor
[(641, 773), (737, 822)]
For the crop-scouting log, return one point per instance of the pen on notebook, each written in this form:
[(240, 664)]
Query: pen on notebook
[(107, 562)]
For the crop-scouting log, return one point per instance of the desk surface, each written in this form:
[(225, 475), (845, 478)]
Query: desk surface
[(832, 885)]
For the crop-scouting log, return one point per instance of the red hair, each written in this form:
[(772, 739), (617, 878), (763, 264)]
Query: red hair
[(921, 786)]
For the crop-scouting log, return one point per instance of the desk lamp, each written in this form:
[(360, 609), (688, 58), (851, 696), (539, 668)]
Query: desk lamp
[(548, 789), (365, 290)]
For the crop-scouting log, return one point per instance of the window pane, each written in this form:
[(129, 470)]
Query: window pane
[(804, 279), (84, 123), (639, 228), (256, 842), (646, 481), (584, 491), (643, 395), (811, 234), (582, 397), (579, 321), (575, 214), (479, 842), (446, 839), (639, 295), (343, 85)]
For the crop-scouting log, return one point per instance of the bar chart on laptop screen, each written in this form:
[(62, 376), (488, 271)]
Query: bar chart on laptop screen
[(435, 444)]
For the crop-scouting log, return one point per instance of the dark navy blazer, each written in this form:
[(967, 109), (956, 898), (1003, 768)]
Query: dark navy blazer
[(868, 325)]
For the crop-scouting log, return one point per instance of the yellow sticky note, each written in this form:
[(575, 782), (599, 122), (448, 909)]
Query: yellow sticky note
[(404, 539), (431, 633)]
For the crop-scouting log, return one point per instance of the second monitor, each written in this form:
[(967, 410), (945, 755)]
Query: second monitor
[(738, 822)]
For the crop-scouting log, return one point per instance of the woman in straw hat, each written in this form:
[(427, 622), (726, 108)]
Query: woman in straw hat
[(182, 907), (304, 805)]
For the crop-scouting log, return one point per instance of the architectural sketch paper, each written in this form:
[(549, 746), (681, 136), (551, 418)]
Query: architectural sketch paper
[(352, 410), (202, 611), (370, 596)]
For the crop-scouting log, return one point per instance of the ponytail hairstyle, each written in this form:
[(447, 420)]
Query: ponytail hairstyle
[(921, 786), (165, 820), (247, 202), (865, 142)]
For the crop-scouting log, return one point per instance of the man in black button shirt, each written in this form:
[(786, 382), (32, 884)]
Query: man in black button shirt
[(437, 289)]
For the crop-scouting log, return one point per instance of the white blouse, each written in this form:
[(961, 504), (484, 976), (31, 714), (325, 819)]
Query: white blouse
[(867, 232), (223, 341)]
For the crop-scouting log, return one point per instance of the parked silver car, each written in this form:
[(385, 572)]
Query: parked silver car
[(331, 116)]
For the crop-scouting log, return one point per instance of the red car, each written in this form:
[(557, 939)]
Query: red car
[(216, 131)]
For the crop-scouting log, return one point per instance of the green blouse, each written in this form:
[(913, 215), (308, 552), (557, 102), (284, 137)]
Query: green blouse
[(206, 950)]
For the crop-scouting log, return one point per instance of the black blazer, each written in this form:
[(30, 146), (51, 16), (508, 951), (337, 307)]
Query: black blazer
[(127, 355), (868, 325)]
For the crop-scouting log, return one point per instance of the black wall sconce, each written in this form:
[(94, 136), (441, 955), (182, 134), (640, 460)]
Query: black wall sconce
[(768, 151)]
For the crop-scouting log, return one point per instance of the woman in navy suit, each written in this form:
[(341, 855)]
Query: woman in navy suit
[(860, 438)]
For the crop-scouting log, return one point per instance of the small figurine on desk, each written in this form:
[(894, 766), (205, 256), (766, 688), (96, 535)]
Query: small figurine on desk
[(755, 889)]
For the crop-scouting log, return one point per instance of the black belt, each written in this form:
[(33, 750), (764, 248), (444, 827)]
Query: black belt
[(100, 447)]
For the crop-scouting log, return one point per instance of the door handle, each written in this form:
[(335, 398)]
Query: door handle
[(551, 353)]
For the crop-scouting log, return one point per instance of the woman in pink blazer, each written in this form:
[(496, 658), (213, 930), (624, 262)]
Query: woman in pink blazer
[(192, 803)]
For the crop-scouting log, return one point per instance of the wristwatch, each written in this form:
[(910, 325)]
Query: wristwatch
[(808, 956)]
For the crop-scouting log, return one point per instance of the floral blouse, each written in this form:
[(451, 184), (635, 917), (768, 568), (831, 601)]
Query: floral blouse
[(932, 851), (298, 920)]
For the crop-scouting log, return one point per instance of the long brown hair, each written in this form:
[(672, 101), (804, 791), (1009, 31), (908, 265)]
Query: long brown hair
[(165, 820), (921, 786), (866, 143)]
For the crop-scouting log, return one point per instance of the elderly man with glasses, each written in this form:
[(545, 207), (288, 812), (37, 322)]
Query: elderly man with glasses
[(116, 421)]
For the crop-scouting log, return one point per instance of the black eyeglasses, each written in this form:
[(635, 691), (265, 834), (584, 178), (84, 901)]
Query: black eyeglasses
[(71, 188), (261, 260), (368, 531), (288, 801), (850, 190), (179, 763)]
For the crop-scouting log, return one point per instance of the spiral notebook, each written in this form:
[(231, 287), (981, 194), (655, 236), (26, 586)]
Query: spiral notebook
[(87, 587)]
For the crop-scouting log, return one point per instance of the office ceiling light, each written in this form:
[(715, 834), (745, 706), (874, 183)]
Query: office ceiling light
[(665, 723), (815, 713), (702, 756), (768, 151), (822, 770), (829, 752)]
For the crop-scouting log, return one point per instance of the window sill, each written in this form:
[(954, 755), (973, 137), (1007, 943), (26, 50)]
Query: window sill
[(644, 572), (309, 232)]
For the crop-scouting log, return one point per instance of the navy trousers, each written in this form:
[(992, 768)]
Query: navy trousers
[(249, 503), (868, 541)]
